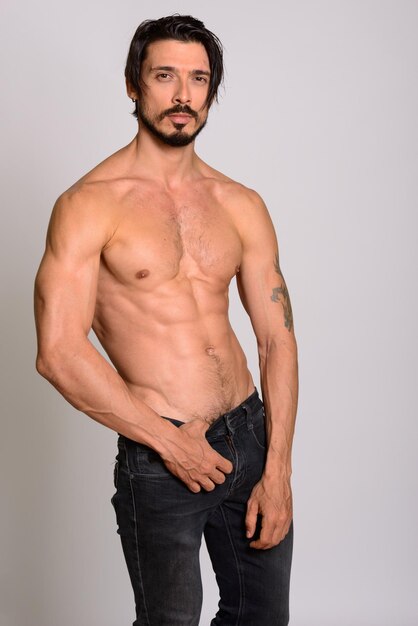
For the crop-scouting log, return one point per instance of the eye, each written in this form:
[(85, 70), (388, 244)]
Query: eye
[(201, 79), (163, 76)]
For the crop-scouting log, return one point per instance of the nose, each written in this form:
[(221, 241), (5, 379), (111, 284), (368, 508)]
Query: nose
[(182, 95)]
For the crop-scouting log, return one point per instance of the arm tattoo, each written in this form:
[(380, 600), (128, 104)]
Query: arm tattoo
[(281, 294)]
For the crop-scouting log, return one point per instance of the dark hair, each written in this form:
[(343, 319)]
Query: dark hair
[(181, 28)]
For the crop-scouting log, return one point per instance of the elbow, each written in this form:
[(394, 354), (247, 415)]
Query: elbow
[(55, 359), (277, 345), (47, 365), (43, 365)]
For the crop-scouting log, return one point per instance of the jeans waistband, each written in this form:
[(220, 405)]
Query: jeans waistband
[(231, 420)]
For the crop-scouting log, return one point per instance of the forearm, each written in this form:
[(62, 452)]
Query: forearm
[(92, 385), (279, 384)]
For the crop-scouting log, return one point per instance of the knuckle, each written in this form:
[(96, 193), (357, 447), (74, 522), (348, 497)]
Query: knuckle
[(206, 468)]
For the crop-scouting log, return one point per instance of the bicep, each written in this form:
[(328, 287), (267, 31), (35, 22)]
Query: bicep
[(66, 282), (261, 284), (65, 294)]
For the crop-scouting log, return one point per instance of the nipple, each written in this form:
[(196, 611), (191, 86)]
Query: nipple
[(142, 273), (237, 269)]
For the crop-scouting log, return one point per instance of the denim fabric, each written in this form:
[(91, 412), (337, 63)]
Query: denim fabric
[(161, 524)]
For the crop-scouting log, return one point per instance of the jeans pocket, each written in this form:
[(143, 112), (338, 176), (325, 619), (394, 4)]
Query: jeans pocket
[(144, 461), (258, 429)]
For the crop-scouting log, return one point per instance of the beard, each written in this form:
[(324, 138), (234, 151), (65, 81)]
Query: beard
[(178, 138)]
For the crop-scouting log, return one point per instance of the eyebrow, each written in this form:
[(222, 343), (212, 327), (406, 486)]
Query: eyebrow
[(171, 68)]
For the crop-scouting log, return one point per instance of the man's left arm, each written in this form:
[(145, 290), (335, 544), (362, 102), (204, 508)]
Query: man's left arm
[(265, 297)]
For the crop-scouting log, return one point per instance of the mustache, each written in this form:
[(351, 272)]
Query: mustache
[(179, 109)]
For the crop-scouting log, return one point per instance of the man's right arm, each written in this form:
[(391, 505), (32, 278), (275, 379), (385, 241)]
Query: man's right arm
[(65, 296)]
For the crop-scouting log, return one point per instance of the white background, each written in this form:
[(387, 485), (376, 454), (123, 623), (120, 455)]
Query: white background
[(319, 115)]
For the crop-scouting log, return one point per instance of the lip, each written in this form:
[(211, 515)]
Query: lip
[(180, 118)]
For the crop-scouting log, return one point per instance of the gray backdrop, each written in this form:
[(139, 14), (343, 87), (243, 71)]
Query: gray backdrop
[(319, 115)]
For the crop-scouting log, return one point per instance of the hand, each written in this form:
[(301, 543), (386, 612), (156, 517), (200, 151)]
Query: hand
[(272, 499), (192, 459)]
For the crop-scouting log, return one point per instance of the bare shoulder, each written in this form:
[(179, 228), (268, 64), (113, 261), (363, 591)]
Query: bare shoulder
[(83, 202), (246, 207), (106, 173), (234, 194), (93, 202), (82, 215), (104, 183)]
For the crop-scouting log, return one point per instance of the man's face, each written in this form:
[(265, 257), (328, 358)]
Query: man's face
[(176, 82)]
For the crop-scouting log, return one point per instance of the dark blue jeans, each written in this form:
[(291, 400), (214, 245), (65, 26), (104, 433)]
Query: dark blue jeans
[(161, 523)]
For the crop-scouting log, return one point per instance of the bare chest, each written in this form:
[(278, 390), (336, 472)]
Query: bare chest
[(159, 241)]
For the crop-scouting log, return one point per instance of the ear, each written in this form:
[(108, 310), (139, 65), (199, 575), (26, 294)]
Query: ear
[(130, 90)]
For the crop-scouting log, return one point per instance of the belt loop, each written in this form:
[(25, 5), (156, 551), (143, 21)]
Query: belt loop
[(229, 429), (248, 416)]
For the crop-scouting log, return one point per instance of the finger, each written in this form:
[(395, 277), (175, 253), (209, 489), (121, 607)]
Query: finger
[(217, 477), (193, 486), (281, 532), (251, 517), (264, 541), (260, 545), (207, 484), (266, 535), (277, 537), (266, 545), (224, 464)]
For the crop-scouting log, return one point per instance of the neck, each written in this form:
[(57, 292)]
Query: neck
[(168, 165)]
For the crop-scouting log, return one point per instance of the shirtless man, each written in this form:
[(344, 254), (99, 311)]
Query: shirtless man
[(142, 249)]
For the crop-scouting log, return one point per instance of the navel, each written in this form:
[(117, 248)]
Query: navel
[(210, 350), (142, 273)]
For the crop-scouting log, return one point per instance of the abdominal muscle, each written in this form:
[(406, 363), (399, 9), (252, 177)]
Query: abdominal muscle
[(175, 349)]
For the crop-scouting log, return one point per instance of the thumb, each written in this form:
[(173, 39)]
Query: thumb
[(251, 517)]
